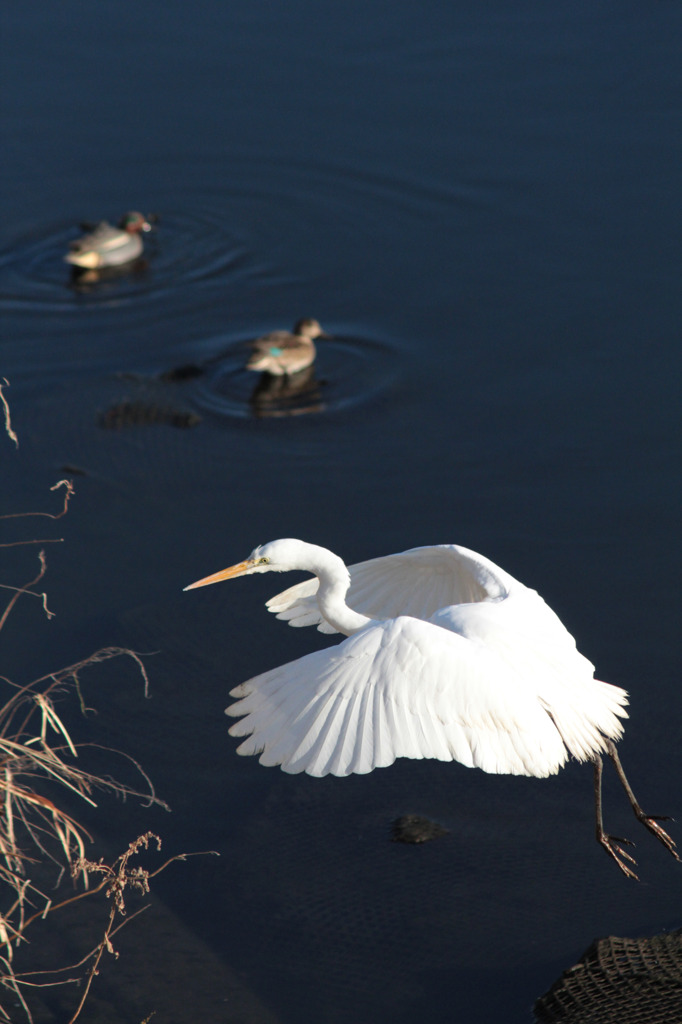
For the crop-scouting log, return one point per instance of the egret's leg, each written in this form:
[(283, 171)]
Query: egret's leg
[(609, 842), (648, 820)]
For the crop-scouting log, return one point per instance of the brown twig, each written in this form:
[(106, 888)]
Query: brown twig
[(111, 878), (57, 679), (68, 484), (103, 654), (24, 590), (23, 543), (117, 878)]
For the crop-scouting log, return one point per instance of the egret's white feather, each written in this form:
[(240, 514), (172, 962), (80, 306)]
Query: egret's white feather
[(467, 594), (416, 582), (447, 656), (408, 688)]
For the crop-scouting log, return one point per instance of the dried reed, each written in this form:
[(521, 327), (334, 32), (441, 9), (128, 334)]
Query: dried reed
[(36, 761)]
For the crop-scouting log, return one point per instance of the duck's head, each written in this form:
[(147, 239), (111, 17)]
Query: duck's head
[(309, 328), (134, 222)]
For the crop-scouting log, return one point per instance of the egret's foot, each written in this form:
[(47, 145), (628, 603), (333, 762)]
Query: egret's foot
[(610, 844), (649, 821)]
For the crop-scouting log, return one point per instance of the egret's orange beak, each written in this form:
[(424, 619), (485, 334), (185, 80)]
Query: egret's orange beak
[(224, 574)]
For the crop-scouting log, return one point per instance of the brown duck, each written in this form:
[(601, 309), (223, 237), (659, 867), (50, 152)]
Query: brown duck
[(286, 352)]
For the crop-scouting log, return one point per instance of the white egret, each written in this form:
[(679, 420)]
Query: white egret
[(447, 656)]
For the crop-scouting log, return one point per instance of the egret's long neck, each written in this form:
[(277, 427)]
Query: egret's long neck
[(331, 595)]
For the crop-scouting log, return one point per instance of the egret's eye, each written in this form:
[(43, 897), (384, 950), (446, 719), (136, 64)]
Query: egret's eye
[(263, 561)]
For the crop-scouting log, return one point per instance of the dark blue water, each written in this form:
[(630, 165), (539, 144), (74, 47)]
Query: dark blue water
[(482, 206)]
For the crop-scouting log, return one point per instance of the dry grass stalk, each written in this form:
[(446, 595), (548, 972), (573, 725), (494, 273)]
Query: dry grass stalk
[(8, 419), (117, 877), (26, 589), (36, 754), (18, 591), (36, 750), (68, 494)]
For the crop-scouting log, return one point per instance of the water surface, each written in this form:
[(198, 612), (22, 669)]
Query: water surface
[(481, 206)]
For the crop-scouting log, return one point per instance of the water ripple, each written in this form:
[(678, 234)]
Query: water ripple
[(184, 249), (348, 371)]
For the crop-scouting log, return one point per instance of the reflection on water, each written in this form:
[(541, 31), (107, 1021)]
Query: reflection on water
[(293, 394), (87, 281), (619, 981)]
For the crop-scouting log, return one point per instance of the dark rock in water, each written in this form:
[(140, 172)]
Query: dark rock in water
[(144, 414), (413, 828), (72, 470)]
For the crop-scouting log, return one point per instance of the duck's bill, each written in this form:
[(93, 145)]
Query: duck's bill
[(224, 574)]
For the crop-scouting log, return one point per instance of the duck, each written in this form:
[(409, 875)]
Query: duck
[(109, 246), (281, 353)]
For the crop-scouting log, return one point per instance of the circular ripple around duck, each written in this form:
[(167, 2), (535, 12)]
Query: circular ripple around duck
[(348, 371), (182, 249)]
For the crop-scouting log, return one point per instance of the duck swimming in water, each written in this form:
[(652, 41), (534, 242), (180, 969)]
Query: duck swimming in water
[(109, 246), (285, 352)]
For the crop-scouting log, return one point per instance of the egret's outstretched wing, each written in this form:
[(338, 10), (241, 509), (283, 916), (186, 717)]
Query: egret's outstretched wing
[(416, 582), (524, 633), (401, 688), (298, 605)]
